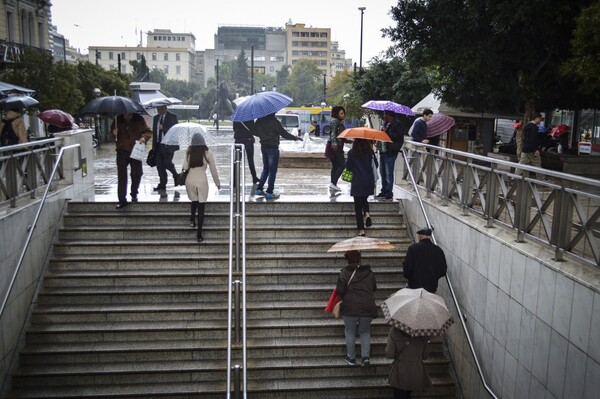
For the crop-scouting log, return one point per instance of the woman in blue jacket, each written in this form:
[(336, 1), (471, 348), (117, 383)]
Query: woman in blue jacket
[(363, 164)]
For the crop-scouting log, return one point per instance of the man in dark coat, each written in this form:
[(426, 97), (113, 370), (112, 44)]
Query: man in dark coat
[(532, 143), (161, 124), (242, 135), (388, 152), (424, 263)]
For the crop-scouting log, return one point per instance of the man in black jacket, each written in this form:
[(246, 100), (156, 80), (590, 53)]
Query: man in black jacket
[(269, 129), (388, 152), (424, 263), (532, 143), (161, 124)]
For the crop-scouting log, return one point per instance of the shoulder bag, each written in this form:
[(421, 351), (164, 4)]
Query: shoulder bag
[(337, 309)]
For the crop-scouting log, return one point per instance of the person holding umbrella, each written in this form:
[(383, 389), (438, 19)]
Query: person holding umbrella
[(161, 124), (242, 134), (126, 130), (356, 285), (12, 128), (419, 127), (338, 114), (388, 152), (361, 159)]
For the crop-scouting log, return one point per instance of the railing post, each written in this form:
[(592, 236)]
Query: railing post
[(466, 188), (236, 382), (11, 181), (522, 206), (491, 200), (446, 181), (429, 159), (237, 198), (561, 225), (237, 312)]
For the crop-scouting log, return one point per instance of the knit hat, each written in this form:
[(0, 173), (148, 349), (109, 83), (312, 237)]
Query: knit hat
[(425, 231), (198, 139)]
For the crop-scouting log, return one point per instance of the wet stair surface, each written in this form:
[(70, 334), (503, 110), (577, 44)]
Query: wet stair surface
[(133, 307)]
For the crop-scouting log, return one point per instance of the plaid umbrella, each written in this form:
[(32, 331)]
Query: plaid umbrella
[(383, 105), (361, 243), (417, 312), (438, 124), (259, 105)]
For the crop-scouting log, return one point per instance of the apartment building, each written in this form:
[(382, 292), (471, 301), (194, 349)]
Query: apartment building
[(309, 42), (339, 62)]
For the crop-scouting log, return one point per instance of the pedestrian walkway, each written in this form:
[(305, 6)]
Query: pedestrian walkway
[(292, 184)]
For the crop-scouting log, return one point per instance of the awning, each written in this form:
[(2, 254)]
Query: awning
[(7, 89), (145, 96), (436, 105)]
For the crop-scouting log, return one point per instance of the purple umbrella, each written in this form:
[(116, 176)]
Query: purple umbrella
[(439, 124), (383, 105)]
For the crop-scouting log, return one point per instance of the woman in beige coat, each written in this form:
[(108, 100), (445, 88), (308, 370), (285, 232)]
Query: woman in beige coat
[(408, 372), (197, 159)]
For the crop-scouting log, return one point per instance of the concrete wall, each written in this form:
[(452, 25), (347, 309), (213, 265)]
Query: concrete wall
[(535, 323), (14, 229)]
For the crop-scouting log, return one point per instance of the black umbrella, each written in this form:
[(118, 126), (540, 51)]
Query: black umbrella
[(8, 88), (112, 105), (17, 102)]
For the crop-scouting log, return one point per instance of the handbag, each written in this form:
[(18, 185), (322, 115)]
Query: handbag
[(329, 152), (151, 159), (347, 175), (334, 298), (138, 151), (182, 176), (337, 300)]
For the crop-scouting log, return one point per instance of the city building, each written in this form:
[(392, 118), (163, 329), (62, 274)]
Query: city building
[(172, 53), (58, 45), (23, 24), (339, 62), (309, 43)]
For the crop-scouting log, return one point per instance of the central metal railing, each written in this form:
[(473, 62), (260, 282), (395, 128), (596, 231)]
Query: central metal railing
[(557, 209), (236, 308)]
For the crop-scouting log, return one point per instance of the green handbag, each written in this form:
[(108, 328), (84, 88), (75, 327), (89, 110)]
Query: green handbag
[(347, 175)]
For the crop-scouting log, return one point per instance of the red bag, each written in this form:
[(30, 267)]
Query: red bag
[(333, 300), (329, 152)]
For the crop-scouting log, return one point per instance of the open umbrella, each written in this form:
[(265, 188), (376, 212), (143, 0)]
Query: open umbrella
[(364, 133), (17, 102), (9, 88), (181, 134), (559, 130), (159, 102), (112, 105), (361, 243), (384, 105), (438, 124), (58, 118), (517, 125), (259, 105), (417, 312)]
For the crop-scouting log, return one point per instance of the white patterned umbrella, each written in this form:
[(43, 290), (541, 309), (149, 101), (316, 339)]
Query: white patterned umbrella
[(181, 134), (361, 243), (417, 313)]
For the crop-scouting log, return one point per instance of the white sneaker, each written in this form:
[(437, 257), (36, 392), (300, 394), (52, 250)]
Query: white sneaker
[(334, 187)]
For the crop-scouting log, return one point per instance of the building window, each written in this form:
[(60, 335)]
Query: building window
[(166, 69), (177, 56), (10, 20), (123, 56), (178, 70), (166, 56), (111, 55), (153, 56)]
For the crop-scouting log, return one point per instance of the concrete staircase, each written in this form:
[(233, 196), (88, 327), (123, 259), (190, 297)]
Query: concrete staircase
[(134, 307)]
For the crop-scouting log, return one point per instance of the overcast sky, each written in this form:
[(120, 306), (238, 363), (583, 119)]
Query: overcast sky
[(115, 22)]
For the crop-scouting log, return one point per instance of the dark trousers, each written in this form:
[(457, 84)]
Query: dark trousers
[(338, 163), (401, 394), (164, 163), (196, 205), (123, 160), (249, 148), (361, 206), (270, 158)]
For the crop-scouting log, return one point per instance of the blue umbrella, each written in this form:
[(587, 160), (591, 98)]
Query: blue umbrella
[(259, 105), (383, 105)]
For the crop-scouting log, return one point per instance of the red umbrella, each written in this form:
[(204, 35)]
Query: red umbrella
[(439, 124), (517, 125), (58, 118), (559, 130)]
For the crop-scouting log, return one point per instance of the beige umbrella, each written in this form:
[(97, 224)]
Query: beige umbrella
[(417, 313), (361, 243)]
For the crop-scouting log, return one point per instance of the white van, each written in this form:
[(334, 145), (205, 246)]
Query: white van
[(290, 122)]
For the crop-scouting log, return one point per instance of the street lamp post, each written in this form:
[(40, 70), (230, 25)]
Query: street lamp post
[(362, 12), (324, 87)]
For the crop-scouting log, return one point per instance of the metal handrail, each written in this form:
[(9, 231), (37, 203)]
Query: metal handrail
[(35, 220), (237, 255), (454, 299)]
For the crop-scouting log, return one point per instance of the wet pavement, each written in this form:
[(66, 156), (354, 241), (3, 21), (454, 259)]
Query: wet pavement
[(293, 184)]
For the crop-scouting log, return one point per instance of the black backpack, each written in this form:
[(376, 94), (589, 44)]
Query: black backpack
[(8, 135)]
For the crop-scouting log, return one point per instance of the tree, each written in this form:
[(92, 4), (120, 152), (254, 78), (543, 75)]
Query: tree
[(305, 83), (141, 72), (282, 79), (240, 72), (502, 56)]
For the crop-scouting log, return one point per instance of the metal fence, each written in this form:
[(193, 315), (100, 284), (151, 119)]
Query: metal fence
[(557, 209), (25, 168)]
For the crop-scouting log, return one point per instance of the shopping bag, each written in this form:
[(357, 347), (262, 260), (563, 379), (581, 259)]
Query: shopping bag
[(347, 175), (138, 152), (334, 299)]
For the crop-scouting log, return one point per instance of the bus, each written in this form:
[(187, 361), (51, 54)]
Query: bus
[(308, 115)]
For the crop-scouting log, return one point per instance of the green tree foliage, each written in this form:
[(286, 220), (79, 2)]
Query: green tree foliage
[(141, 72), (240, 73), (282, 78), (583, 65), (491, 56), (306, 83)]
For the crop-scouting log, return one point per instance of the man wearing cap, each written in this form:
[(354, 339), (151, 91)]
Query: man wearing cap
[(424, 263)]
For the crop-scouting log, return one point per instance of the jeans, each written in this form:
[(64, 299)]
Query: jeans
[(338, 163), (364, 330), (164, 162), (270, 157), (123, 160), (386, 169)]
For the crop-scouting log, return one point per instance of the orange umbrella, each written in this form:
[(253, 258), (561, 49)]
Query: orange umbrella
[(364, 133)]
